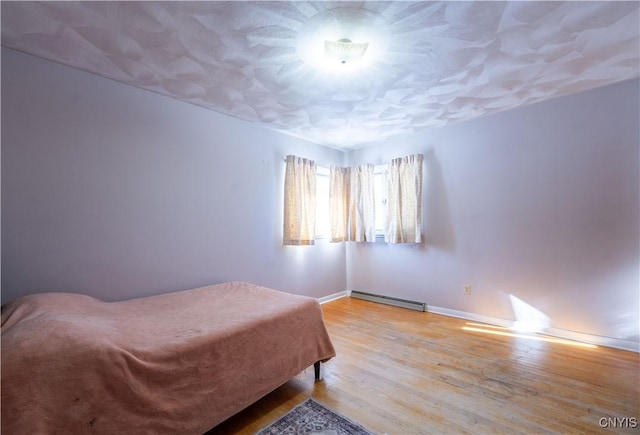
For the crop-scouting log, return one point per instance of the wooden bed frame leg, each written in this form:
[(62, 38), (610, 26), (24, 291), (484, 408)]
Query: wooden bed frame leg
[(316, 369)]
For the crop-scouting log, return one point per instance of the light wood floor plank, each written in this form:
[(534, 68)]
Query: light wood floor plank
[(405, 372)]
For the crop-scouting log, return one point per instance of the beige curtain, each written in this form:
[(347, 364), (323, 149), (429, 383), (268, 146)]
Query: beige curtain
[(299, 201), (352, 204), (362, 222), (404, 200), (339, 179)]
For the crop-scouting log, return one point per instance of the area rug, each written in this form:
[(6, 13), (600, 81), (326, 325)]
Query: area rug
[(311, 417)]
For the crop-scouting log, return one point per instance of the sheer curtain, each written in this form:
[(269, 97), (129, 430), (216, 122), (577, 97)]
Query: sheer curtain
[(352, 205), (339, 179), (362, 222), (299, 201), (404, 200)]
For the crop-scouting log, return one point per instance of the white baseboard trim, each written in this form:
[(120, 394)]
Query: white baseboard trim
[(333, 297), (470, 316), (598, 340)]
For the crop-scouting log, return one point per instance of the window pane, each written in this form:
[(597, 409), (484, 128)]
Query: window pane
[(322, 200), (380, 193)]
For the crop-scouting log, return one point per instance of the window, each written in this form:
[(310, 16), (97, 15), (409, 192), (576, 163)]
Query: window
[(322, 200), (368, 202), (380, 193)]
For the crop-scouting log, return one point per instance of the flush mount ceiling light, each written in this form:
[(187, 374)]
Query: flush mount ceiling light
[(342, 39), (344, 50)]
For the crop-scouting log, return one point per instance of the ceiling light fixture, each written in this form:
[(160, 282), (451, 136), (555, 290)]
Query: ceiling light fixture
[(326, 40), (344, 50)]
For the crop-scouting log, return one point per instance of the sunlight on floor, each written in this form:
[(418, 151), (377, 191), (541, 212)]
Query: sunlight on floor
[(499, 330)]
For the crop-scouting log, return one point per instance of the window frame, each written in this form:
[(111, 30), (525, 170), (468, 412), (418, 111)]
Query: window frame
[(380, 196), (323, 173)]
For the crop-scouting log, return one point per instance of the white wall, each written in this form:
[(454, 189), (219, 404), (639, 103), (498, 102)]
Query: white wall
[(117, 192), (540, 203)]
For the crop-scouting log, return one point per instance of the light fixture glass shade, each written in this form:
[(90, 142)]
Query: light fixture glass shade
[(344, 50), (321, 42)]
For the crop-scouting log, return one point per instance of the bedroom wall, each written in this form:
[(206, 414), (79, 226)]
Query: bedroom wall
[(537, 209), (117, 192)]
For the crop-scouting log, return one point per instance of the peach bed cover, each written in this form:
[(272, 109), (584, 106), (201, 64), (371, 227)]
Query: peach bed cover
[(178, 363)]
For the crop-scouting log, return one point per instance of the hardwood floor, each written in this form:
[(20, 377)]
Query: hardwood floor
[(399, 371)]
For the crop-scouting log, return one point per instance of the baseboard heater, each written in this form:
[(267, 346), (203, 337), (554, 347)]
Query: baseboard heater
[(397, 302)]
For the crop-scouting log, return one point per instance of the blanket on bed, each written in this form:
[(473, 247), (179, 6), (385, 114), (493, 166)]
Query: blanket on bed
[(173, 363)]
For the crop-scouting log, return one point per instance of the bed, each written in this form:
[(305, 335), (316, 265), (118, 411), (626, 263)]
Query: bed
[(178, 363)]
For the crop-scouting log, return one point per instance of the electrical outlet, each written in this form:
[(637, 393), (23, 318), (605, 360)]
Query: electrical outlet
[(467, 289)]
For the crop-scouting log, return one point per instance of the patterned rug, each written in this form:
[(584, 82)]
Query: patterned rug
[(311, 417)]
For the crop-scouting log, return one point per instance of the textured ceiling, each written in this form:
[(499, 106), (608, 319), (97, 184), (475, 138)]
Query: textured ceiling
[(437, 62)]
